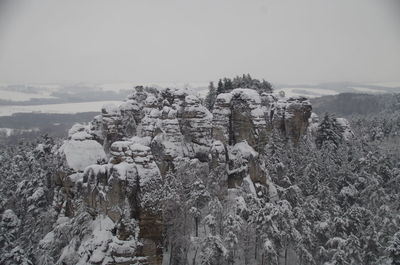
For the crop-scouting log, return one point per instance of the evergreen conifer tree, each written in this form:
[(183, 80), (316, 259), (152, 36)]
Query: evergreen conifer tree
[(211, 96), (329, 132), (394, 249), (228, 85), (220, 87)]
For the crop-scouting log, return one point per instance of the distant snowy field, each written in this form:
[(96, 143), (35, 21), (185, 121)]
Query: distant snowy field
[(306, 92), (22, 96), (56, 108), (387, 84), (25, 92), (368, 90), (198, 89), (10, 131)]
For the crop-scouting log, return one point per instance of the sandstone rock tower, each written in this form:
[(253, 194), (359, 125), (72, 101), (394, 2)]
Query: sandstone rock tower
[(117, 160)]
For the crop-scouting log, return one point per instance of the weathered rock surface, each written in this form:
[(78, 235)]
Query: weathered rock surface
[(243, 114), (139, 142)]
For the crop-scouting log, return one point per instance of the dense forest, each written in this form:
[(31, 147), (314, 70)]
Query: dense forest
[(332, 198)]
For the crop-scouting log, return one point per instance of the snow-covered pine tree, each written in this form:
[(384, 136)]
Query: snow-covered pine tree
[(232, 227), (329, 132), (394, 249), (220, 87), (211, 96)]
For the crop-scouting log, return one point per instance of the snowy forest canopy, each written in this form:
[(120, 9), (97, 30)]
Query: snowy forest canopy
[(331, 199)]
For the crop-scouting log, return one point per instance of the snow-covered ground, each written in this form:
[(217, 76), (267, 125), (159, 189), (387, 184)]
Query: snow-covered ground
[(368, 90), (80, 154), (10, 131), (56, 108), (313, 91)]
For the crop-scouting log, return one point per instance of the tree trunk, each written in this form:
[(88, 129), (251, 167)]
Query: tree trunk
[(286, 252), (184, 225), (255, 248), (194, 257), (171, 254), (196, 220), (186, 256)]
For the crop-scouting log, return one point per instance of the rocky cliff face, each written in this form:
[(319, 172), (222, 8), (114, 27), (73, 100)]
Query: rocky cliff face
[(117, 161), (244, 115)]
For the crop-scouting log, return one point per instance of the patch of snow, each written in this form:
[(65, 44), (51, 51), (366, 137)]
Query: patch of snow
[(249, 94), (37, 195), (151, 100), (77, 177), (141, 140), (47, 240), (251, 184), (124, 170), (347, 132), (226, 97), (80, 154), (77, 127), (129, 105), (241, 203), (10, 218), (100, 246), (368, 90), (10, 131), (273, 192), (258, 112), (245, 149), (138, 148), (190, 99), (322, 225), (217, 146), (348, 191), (80, 136), (110, 108), (305, 92)]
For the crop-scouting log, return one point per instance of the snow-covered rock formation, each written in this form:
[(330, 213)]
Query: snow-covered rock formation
[(117, 161), (243, 114), (162, 180)]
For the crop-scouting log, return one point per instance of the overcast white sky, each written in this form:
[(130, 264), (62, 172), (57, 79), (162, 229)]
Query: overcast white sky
[(282, 41)]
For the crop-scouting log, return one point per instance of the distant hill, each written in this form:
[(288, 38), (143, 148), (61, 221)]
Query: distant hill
[(347, 104), (28, 126)]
